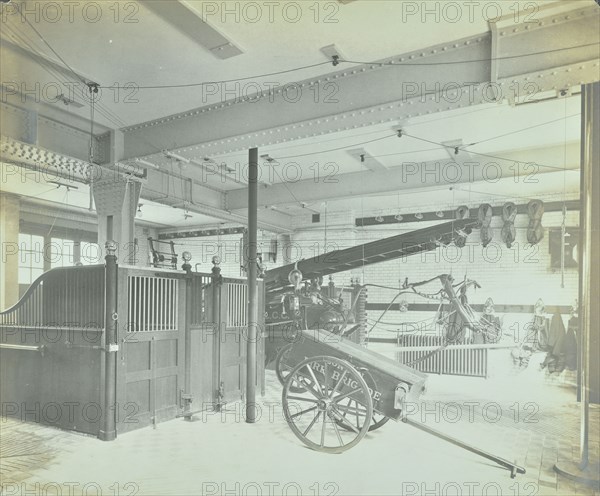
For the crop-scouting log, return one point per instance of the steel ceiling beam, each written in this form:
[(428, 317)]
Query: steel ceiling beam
[(443, 77), (413, 176)]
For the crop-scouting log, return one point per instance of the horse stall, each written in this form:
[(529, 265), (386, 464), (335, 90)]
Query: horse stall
[(106, 349)]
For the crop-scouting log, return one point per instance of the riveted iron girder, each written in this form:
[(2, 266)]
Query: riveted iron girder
[(557, 53)]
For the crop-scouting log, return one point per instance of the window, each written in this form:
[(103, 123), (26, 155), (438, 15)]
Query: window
[(31, 257), (61, 253)]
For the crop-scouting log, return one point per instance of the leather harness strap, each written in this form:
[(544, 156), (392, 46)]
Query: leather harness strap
[(461, 213), (535, 231), (484, 216), (509, 213)]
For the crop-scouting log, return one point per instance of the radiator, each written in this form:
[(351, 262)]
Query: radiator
[(470, 362)]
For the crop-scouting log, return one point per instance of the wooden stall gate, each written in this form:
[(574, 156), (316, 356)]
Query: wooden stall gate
[(51, 358), (53, 347), (219, 341), (150, 361)]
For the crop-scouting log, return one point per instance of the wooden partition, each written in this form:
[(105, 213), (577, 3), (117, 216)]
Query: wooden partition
[(51, 363), (53, 350), (165, 312), (220, 339)]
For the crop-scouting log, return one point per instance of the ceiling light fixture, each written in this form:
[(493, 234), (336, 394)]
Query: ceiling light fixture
[(146, 163), (267, 158), (68, 101), (59, 184), (177, 157), (224, 165), (332, 53)]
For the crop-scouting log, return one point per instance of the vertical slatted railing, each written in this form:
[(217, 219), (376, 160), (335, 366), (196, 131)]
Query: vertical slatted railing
[(199, 286), (237, 304), (153, 303), (67, 296), (464, 362)]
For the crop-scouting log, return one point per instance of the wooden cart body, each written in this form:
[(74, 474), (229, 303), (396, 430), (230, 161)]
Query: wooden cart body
[(391, 384), (325, 368)]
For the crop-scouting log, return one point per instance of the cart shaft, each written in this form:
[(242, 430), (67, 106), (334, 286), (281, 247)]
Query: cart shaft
[(512, 466)]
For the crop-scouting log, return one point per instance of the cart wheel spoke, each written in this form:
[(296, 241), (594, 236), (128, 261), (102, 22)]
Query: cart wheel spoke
[(314, 377), (301, 398), (345, 411), (311, 424), (351, 409), (340, 397), (339, 383), (337, 432), (347, 423), (302, 412), (323, 429), (302, 383)]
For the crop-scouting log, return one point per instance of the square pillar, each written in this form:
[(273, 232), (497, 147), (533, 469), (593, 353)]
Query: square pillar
[(10, 212)]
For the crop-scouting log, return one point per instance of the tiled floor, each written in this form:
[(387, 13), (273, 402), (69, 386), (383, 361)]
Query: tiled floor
[(220, 454)]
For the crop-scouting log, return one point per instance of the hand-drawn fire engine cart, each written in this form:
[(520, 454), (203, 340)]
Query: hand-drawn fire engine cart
[(335, 391)]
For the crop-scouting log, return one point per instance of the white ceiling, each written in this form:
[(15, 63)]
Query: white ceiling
[(145, 50), (152, 51)]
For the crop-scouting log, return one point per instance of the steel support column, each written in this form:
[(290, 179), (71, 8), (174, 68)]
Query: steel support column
[(10, 212), (252, 289)]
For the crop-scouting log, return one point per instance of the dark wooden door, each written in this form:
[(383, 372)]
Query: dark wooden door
[(233, 340), (150, 368)]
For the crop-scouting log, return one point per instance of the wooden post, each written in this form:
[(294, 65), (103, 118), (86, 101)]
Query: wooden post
[(187, 393), (108, 431), (252, 290), (216, 320)]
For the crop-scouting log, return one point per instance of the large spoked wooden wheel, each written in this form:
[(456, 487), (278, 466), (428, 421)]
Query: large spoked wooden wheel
[(319, 414), (283, 369)]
